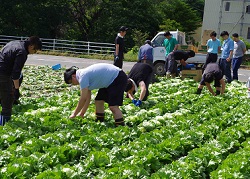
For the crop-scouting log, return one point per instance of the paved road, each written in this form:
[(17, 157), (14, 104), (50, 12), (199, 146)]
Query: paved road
[(37, 59)]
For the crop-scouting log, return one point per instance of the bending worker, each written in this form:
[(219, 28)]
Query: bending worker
[(139, 76), (212, 73)]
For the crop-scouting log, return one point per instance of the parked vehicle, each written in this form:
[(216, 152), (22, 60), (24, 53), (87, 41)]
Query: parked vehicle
[(159, 51)]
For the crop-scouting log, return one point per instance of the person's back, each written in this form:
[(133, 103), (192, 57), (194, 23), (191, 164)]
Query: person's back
[(212, 67), (8, 55), (145, 53), (97, 76), (140, 72)]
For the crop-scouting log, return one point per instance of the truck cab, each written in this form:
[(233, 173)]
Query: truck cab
[(160, 51)]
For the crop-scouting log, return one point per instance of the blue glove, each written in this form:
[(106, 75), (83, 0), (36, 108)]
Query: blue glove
[(116, 58), (138, 103), (134, 101), (190, 66)]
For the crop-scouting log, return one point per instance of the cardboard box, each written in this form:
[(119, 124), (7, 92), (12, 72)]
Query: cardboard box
[(193, 74)]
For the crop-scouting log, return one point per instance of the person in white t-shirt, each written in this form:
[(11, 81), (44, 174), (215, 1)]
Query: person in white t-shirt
[(111, 82)]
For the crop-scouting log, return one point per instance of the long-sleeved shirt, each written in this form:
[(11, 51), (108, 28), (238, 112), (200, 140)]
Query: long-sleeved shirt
[(12, 58)]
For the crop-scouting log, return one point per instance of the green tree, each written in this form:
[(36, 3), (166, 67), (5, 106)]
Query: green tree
[(27, 17), (170, 25), (182, 13)]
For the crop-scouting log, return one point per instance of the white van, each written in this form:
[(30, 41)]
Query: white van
[(160, 51)]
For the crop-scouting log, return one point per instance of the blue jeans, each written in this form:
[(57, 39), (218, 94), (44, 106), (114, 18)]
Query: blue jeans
[(225, 67), (235, 66)]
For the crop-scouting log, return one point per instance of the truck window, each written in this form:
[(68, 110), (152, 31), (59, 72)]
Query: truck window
[(158, 41)]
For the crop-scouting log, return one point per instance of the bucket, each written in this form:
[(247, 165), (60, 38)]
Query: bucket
[(56, 67)]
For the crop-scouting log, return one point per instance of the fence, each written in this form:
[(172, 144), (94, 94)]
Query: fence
[(79, 47)]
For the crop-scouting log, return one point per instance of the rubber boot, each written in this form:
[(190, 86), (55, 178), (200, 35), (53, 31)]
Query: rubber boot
[(100, 117), (4, 119)]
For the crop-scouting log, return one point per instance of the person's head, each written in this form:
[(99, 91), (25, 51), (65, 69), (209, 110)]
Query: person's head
[(148, 42), (33, 44), (235, 37), (123, 30), (70, 76), (191, 53), (213, 35), (224, 35), (208, 77), (130, 88), (167, 35)]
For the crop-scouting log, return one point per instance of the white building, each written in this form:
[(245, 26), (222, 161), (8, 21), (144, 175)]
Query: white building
[(226, 15)]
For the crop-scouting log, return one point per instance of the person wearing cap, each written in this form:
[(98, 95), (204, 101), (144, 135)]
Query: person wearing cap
[(213, 47), (176, 57), (12, 59), (145, 55), (119, 47), (212, 73), (238, 53), (139, 77), (170, 43), (226, 55), (111, 82)]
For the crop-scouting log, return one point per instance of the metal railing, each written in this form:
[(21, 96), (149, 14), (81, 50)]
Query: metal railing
[(69, 46)]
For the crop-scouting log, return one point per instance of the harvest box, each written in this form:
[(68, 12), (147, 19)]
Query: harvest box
[(193, 74)]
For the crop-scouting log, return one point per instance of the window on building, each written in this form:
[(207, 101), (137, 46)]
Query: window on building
[(248, 33), (227, 6)]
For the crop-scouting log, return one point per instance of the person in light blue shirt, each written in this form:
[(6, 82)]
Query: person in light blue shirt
[(213, 47), (226, 56), (111, 82)]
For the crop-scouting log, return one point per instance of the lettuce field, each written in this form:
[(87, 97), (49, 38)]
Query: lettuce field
[(174, 134)]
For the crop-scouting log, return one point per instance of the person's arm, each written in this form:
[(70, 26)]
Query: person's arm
[(183, 62), (230, 56), (86, 105), (244, 49), (219, 49), (81, 103), (16, 84), (143, 90), (139, 55), (18, 66), (130, 95), (176, 47), (231, 48), (209, 88), (116, 49), (223, 86)]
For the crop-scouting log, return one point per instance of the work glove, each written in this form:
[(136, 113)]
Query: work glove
[(116, 58), (16, 94), (190, 66), (138, 103), (134, 101)]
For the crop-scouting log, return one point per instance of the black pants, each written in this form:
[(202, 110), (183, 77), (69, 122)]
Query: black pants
[(119, 62), (6, 95)]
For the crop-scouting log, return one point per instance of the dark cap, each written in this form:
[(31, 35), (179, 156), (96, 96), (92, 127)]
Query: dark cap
[(123, 28), (148, 42), (235, 35), (68, 74)]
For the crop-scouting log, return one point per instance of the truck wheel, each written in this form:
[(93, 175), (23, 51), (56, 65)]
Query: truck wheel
[(160, 69)]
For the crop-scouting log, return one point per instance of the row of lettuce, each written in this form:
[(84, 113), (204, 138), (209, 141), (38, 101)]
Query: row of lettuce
[(175, 134)]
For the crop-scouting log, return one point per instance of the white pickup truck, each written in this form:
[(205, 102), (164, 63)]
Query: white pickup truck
[(159, 51)]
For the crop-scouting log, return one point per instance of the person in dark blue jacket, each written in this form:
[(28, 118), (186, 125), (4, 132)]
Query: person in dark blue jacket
[(12, 59)]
